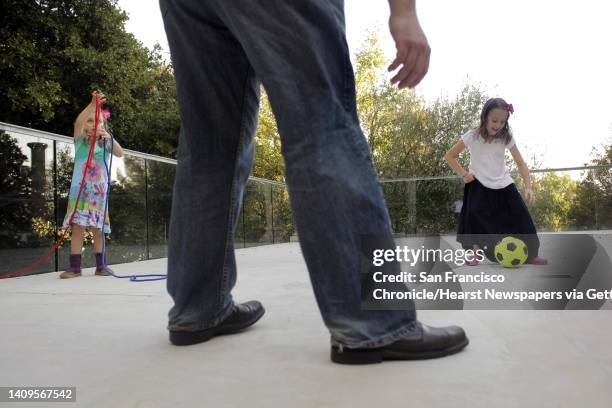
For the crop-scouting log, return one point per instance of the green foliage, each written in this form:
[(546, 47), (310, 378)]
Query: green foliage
[(12, 180), (64, 166), (409, 138), (252, 225), (55, 52), (46, 230), (15, 189), (127, 209), (268, 164), (593, 206), (555, 198), (282, 216)]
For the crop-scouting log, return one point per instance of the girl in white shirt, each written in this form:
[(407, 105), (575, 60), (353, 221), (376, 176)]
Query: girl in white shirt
[(492, 206)]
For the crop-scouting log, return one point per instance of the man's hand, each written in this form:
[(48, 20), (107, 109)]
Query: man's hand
[(412, 47)]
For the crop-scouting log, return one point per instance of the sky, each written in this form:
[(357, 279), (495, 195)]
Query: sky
[(550, 58)]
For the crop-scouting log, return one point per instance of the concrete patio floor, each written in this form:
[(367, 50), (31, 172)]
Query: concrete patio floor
[(107, 337)]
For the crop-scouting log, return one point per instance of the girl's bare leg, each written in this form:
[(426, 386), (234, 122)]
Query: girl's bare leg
[(97, 238), (76, 244)]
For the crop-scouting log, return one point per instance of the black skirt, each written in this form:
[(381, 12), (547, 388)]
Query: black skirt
[(489, 214)]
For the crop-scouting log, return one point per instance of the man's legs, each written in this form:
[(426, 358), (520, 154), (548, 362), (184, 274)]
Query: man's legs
[(219, 98), (299, 51)]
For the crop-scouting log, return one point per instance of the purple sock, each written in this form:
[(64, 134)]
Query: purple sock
[(75, 263), (99, 264)]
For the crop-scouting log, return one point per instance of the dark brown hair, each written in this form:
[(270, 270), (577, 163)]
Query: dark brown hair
[(505, 134)]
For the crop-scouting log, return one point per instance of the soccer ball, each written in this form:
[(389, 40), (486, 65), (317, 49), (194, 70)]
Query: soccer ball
[(511, 252)]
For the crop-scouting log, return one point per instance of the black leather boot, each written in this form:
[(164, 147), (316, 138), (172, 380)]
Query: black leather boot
[(432, 342), (243, 315)]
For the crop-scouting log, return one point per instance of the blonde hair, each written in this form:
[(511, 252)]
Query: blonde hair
[(81, 120)]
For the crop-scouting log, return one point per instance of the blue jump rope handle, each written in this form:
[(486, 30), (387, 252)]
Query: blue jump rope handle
[(132, 278)]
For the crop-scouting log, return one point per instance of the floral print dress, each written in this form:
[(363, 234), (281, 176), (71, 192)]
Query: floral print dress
[(90, 208)]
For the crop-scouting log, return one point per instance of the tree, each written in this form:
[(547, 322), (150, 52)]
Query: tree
[(54, 52), (268, 162), (556, 195), (271, 207), (409, 138), (127, 204), (593, 206), (15, 189)]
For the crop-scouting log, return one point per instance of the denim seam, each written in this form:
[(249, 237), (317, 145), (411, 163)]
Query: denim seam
[(345, 63), (229, 232), (383, 341)]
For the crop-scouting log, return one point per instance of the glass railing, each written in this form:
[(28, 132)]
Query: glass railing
[(567, 199), (36, 172)]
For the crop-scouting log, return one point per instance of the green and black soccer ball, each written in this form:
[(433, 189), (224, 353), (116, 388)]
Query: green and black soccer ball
[(511, 252)]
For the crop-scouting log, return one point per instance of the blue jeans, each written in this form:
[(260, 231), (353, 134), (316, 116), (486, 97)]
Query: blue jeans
[(221, 52)]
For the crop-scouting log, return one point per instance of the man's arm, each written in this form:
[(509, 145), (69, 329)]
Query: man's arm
[(412, 47)]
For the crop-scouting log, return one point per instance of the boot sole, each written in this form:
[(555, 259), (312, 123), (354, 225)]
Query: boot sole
[(374, 356), (187, 338)]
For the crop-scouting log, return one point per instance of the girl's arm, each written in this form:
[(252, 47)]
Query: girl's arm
[(89, 110), (451, 157), (117, 150), (79, 123), (524, 172)]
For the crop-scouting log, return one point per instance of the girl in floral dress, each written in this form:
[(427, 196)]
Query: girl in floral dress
[(89, 212)]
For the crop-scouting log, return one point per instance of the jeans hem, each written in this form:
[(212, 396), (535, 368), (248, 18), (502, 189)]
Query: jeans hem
[(202, 326), (409, 330)]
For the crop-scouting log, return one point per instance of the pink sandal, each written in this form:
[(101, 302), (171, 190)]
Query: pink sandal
[(537, 261), (471, 260)]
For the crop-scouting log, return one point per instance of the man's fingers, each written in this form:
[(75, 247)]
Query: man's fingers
[(415, 76), (396, 63), (399, 58), (408, 67), (422, 67), (408, 78), (401, 75), (415, 64)]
